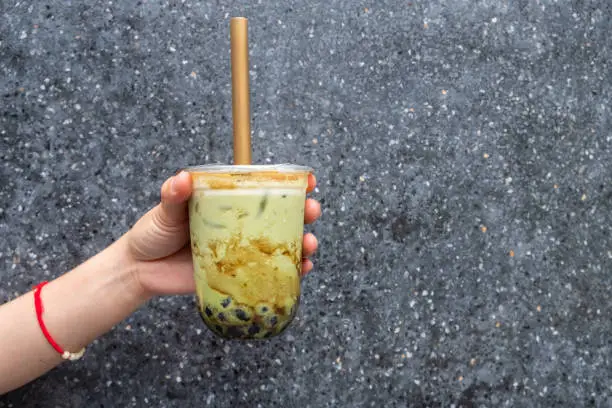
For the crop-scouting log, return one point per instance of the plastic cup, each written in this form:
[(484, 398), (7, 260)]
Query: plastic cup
[(246, 224)]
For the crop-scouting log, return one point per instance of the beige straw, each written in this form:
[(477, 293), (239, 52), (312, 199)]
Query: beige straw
[(240, 90)]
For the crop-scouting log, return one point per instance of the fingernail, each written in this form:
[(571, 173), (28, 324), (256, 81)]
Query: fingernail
[(173, 185)]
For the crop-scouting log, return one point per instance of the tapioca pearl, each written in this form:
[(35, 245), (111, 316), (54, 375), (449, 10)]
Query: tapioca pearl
[(263, 309), (208, 312), (226, 302), (242, 315), (221, 317), (254, 329), (234, 332), (204, 318)]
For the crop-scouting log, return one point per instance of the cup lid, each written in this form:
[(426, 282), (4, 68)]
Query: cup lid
[(249, 168)]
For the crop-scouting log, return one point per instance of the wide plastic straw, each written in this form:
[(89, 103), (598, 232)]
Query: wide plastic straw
[(241, 110)]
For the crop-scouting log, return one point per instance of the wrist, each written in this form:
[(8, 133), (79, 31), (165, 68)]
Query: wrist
[(129, 271), (92, 298)]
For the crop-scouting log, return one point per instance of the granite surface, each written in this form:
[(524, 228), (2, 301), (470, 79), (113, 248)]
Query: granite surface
[(464, 154)]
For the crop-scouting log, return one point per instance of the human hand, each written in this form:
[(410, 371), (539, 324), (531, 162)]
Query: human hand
[(159, 241)]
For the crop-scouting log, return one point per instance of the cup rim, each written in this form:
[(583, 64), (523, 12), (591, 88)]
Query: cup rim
[(248, 168)]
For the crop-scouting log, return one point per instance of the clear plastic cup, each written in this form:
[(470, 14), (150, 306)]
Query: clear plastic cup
[(246, 226)]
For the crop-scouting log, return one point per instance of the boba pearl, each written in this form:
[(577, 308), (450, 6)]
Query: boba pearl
[(235, 332), (226, 302), (242, 315), (264, 309), (272, 321), (203, 317)]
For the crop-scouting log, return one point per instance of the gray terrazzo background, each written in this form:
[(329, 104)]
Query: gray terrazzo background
[(464, 156)]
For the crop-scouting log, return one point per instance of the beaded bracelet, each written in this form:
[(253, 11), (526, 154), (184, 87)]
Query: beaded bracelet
[(66, 355)]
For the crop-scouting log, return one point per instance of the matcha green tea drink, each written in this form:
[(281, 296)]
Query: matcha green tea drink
[(246, 225)]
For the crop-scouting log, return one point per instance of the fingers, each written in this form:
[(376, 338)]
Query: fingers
[(310, 245), (312, 211), (306, 266), (174, 195), (163, 230), (312, 183)]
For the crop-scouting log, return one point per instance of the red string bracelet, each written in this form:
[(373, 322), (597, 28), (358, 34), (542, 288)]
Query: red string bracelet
[(66, 355)]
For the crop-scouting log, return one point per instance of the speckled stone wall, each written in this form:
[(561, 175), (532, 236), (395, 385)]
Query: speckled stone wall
[(463, 151)]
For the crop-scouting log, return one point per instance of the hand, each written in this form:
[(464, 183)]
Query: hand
[(159, 240)]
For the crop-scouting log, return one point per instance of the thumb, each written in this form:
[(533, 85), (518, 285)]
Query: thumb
[(164, 230), (175, 192)]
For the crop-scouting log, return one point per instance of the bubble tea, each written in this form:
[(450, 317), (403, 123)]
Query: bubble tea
[(246, 225)]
